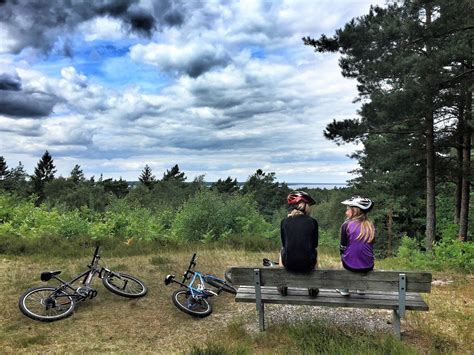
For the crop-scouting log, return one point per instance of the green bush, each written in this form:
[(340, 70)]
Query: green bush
[(455, 254), (447, 254), (129, 221), (210, 216)]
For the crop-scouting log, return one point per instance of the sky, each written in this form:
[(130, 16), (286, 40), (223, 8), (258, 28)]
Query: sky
[(221, 88)]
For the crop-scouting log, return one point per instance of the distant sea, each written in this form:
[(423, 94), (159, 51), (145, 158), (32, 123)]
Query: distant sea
[(316, 185), (291, 185), (307, 185)]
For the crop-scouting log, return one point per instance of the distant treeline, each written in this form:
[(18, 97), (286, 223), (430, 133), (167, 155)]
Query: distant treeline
[(41, 210)]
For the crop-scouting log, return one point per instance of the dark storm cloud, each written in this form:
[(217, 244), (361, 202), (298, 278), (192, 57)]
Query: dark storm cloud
[(10, 82), (39, 24), (169, 12), (15, 103), (205, 62)]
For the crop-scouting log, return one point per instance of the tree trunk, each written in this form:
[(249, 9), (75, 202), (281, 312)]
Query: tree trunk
[(430, 157), (459, 151), (389, 232), (430, 184), (466, 169), (458, 192)]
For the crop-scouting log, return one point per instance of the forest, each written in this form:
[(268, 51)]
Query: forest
[(66, 212)]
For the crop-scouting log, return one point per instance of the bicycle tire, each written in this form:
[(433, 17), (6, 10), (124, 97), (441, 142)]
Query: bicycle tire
[(132, 288), (220, 284), (183, 300), (42, 304)]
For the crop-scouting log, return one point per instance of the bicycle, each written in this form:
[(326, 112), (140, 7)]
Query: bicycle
[(48, 303), (193, 299)]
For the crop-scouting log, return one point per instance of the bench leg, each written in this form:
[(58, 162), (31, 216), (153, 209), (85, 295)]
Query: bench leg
[(396, 324), (258, 300), (261, 316)]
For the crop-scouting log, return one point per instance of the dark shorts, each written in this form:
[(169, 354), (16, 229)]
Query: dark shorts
[(301, 267)]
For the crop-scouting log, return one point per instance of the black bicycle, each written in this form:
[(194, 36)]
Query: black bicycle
[(193, 298), (48, 303)]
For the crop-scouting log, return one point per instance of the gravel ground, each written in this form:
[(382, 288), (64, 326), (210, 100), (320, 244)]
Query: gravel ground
[(368, 319)]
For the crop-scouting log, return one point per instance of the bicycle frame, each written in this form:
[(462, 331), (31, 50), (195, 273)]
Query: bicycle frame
[(85, 291), (195, 292)]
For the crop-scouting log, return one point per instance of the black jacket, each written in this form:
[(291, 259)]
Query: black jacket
[(299, 239)]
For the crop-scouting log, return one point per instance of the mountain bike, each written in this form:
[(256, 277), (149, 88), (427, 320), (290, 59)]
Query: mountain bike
[(49, 303), (192, 299)]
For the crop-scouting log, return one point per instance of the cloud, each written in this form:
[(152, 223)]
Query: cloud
[(68, 131), (40, 24), (10, 81), (16, 101), (192, 59), (23, 127), (26, 104), (220, 88)]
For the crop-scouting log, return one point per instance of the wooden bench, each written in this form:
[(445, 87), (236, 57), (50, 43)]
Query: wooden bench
[(395, 290)]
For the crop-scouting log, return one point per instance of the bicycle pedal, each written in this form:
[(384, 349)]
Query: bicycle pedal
[(209, 293)]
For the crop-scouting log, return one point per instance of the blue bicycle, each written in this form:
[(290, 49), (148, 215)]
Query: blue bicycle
[(192, 299)]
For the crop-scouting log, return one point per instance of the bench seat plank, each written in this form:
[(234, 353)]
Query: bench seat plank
[(331, 298), (378, 280)]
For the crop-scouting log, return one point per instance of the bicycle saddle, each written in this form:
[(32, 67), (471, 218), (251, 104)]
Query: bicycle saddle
[(47, 275), (169, 279)]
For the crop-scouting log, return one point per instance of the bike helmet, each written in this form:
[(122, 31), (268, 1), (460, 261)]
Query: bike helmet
[(363, 203), (297, 196)]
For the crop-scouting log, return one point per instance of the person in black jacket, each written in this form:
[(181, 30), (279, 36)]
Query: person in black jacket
[(299, 237)]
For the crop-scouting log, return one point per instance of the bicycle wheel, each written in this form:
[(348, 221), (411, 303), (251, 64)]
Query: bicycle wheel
[(220, 284), (183, 300), (125, 285), (46, 304)]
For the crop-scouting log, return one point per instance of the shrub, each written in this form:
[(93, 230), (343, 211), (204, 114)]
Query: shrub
[(447, 254), (210, 216)]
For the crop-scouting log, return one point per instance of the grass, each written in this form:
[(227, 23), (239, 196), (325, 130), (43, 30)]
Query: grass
[(110, 323)]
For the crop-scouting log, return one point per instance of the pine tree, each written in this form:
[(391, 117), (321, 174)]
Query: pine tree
[(15, 180), (226, 186), (269, 194), (146, 177), (408, 60), (174, 175), (77, 175), (44, 172), (3, 169)]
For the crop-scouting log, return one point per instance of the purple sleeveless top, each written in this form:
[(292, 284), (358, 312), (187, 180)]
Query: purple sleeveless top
[(357, 254)]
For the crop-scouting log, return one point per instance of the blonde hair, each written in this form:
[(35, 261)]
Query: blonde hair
[(367, 229), (302, 208)]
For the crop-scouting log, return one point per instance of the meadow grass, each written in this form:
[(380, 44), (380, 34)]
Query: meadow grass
[(112, 324)]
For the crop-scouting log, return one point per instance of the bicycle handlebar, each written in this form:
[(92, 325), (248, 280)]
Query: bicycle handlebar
[(96, 255), (191, 266)]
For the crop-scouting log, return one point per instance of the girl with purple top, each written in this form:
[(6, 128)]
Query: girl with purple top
[(357, 238)]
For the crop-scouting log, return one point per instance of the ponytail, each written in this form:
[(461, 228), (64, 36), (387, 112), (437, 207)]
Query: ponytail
[(367, 229), (300, 209)]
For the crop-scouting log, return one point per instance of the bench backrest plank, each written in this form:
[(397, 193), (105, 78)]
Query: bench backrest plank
[(377, 280)]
